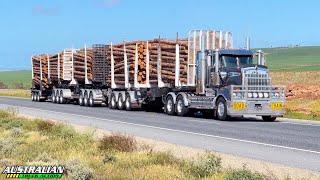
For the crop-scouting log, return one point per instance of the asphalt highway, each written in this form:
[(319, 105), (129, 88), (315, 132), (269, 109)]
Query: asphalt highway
[(287, 142)]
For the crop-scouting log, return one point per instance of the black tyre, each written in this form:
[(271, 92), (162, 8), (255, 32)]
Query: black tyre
[(113, 102), (86, 99), (91, 100), (120, 103), (269, 118), (181, 108), (169, 106), (221, 110)]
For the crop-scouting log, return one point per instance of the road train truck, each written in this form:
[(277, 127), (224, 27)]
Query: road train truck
[(202, 72)]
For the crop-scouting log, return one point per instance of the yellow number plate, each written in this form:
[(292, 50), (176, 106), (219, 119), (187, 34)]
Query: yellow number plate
[(239, 105), (276, 105)]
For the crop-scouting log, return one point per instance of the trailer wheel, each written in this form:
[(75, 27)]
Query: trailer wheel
[(85, 99), (62, 100), (269, 118), (181, 108), (81, 99), (53, 97), (221, 111), (120, 102), (38, 97), (128, 102), (91, 100), (32, 96), (113, 102), (169, 106)]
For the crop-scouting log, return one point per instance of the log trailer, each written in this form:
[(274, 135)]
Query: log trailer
[(207, 74)]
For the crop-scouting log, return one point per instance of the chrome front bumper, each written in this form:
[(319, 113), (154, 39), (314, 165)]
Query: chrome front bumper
[(259, 108)]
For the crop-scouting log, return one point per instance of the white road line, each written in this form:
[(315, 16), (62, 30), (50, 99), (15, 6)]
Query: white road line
[(302, 124), (181, 131)]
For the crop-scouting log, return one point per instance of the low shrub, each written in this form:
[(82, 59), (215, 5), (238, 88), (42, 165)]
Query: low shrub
[(16, 132), (78, 170), (45, 126), (207, 165), (243, 174), (118, 142)]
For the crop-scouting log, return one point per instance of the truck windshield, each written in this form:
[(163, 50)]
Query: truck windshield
[(236, 61)]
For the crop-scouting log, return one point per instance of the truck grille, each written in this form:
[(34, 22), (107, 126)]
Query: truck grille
[(257, 81)]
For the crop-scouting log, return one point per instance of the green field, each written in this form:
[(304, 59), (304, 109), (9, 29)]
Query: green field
[(293, 59), (16, 79)]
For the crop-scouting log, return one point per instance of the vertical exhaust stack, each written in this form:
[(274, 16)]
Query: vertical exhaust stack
[(248, 43)]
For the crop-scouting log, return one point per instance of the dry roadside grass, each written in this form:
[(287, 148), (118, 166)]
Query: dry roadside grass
[(229, 162), (15, 92), (303, 93)]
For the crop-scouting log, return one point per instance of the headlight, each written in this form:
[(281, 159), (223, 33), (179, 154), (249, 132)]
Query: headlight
[(266, 95), (255, 95), (249, 95), (260, 95), (275, 95), (234, 94)]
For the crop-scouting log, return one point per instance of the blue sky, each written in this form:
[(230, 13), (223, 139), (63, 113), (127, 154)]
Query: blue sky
[(32, 27)]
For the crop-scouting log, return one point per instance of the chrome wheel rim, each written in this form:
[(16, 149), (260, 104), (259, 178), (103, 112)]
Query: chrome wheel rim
[(127, 103), (169, 105), (113, 102), (120, 103), (85, 100), (91, 101), (179, 106), (220, 109), (80, 100)]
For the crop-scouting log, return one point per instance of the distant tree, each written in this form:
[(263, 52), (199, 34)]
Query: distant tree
[(3, 86)]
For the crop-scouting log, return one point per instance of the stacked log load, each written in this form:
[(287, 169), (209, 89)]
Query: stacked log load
[(36, 62), (79, 64), (53, 62), (168, 60), (118, 56)]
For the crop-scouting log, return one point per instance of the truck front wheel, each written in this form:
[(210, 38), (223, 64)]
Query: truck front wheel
[(269, 118), (181, 108), (221, 110), (169, 106)]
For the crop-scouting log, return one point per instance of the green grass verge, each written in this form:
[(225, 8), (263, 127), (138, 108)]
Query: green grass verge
[(15, 79), (293, 59), (38, 142)]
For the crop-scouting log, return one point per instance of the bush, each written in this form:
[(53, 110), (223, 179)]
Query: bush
[(207, 165), (16, 132), (77, 170), (109, 158), (118, 142), (7, 146), (243, 174), (45, 126), (163, 158)]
